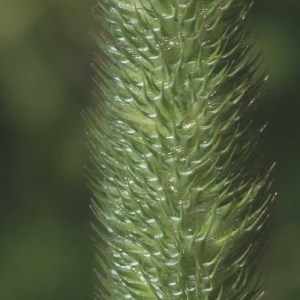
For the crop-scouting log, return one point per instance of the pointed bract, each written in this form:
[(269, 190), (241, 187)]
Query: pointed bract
[(180, 207)]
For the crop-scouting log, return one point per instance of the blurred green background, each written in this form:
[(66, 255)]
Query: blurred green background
[(46, 250)]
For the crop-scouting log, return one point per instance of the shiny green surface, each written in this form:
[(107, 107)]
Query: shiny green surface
[(45, 54), (181, 206)]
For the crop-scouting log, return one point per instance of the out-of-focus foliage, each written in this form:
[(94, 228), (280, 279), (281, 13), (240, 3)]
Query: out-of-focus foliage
[(45, 82), (277, 25)]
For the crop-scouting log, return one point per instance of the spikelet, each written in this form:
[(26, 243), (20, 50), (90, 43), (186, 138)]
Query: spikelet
[(180, 207)]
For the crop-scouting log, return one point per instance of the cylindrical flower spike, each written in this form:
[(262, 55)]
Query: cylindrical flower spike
[(180, 201)]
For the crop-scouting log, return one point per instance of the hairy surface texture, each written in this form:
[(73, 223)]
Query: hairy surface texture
[(179, 196)]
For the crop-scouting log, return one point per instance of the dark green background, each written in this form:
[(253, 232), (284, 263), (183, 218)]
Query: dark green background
[(46, 251)]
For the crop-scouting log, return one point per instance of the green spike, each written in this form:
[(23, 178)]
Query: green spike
[(180, 208)]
